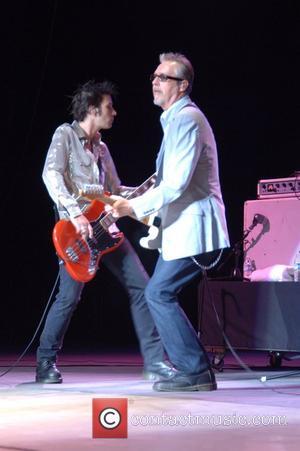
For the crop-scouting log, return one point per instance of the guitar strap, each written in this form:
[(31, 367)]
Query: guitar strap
[(159, 165), (56, 215), (159, 172), (156, 220)]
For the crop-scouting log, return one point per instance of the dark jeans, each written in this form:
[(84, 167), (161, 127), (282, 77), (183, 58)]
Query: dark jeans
[(177, 334), (127, 267)]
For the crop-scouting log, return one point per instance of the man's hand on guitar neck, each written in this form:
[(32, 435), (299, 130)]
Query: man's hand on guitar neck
[(82, 226)]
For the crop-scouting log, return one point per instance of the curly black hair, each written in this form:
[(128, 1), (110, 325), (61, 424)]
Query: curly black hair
[(90, 94)]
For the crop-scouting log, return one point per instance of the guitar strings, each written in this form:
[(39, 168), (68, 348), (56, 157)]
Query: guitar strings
[(97, 225), (143, 187)]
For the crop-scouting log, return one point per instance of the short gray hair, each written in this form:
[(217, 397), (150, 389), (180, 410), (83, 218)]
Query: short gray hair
[(185, 70)]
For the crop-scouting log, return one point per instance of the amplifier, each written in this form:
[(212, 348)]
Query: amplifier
[(272, 188), (275, 231)]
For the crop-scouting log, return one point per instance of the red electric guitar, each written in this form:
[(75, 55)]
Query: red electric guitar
[(81, 256)]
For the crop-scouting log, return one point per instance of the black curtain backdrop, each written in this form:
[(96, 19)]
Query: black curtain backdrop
[(245, 55)]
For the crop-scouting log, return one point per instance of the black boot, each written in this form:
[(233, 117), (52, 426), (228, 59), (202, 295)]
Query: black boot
[(47, 373), (159, 370), (204, 381)]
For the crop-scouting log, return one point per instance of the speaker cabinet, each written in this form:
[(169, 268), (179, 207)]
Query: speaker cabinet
[(253, 315), (275, 235)]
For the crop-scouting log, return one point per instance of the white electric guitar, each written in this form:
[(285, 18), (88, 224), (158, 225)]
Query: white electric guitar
[(153, 239)]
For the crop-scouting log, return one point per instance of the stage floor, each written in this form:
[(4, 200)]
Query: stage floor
[(243, 414)]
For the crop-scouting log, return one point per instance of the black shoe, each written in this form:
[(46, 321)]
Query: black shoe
[(204, 381), (47, 373), (159, 370)]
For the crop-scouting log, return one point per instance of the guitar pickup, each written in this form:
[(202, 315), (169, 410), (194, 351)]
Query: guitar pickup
[(72, 254)]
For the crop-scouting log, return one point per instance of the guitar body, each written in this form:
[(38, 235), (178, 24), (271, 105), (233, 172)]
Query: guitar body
[(153, 239), (81, 256)]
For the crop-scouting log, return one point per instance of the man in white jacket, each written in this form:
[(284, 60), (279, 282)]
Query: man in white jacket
[(193, 231)]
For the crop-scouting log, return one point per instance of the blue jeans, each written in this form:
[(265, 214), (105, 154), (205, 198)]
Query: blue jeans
[(127, 267), (177, 334)]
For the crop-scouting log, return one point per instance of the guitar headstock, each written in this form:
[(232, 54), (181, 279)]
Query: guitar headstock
[(91, 191), (94, 192)]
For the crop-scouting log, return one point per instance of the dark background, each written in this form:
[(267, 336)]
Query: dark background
[(245, 56)]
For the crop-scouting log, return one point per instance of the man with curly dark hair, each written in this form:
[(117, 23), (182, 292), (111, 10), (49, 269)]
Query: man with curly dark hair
[(77, 157)]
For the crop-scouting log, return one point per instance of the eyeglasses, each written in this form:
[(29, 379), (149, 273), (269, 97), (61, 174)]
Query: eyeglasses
[(163, 77)]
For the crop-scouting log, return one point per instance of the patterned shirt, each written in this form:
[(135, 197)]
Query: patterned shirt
[(70, 165)]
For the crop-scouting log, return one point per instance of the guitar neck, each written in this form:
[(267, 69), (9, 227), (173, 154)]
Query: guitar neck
[(147, 184), (108, 219), (94, 192)]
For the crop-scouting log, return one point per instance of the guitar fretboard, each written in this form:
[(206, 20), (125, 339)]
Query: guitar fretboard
[(143, 187), (109, 220)]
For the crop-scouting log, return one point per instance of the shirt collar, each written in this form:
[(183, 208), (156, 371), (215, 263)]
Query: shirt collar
[(81, 133), (168, 115)]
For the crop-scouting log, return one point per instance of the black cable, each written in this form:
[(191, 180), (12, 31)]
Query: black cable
[(36, 331), (238, 359), (263, 379), (281, 375)]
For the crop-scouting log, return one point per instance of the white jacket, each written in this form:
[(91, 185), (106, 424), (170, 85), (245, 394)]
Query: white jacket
[(188, 198)]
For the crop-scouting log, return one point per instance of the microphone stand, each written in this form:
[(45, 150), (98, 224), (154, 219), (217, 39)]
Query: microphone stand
[(237, 250)]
